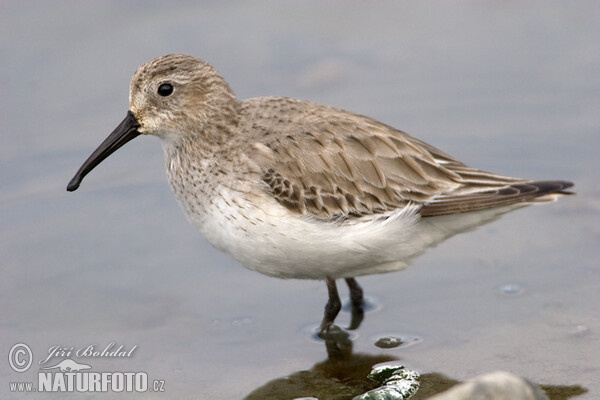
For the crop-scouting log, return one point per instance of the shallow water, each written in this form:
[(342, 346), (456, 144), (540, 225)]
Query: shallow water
[(508, 87)]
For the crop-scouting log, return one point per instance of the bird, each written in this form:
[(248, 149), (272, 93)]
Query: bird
[(298, 190)]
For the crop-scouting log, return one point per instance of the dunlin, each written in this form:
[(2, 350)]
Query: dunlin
[(295, 189)]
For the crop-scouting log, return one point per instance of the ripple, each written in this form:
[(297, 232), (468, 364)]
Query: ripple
[(512, 289), (311, 333), (394, 340)]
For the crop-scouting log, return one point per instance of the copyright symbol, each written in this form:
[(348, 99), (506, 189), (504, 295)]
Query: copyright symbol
[(20, 357)]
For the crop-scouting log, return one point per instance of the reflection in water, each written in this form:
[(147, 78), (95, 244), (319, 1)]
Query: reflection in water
[(563, 392), (345, 375)]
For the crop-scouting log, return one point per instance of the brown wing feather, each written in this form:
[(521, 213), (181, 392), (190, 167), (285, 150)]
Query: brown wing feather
[(329, 163), (535, 191)]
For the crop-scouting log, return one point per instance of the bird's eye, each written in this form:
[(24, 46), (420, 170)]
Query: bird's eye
[(166, 89)]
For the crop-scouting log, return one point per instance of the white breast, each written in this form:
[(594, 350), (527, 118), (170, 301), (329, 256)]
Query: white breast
[(265, 237)]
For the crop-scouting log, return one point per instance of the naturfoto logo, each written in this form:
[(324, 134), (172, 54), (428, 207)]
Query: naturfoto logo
[(59, 372)]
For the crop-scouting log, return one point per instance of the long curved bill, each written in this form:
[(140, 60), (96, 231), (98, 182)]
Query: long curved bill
[(127, 130)]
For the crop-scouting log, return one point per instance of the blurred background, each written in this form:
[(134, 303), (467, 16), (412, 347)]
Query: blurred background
[(510, 87)]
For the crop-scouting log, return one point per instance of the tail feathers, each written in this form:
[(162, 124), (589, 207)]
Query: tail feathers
[(525, 192)]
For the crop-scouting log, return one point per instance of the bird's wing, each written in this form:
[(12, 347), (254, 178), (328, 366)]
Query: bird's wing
[(329, 163), (524, 193)]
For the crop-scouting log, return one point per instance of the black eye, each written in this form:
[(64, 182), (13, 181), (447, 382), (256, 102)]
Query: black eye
[(165, 89)]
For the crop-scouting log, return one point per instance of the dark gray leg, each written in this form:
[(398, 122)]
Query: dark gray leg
[(333, 306), (356, 292), (356, 297)]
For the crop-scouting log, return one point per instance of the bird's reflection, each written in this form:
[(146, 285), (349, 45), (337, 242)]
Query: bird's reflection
[(343, 375)]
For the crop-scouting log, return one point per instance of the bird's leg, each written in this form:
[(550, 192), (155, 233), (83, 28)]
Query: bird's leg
[(356, 297), (356, 292), (333, 306)]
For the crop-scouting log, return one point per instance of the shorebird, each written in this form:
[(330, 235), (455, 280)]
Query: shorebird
[(295, 189)]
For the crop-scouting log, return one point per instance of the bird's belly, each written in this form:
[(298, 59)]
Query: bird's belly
[(265, 237)]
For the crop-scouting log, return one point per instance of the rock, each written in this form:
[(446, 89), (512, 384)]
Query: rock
[(494, 386), (397, 383)]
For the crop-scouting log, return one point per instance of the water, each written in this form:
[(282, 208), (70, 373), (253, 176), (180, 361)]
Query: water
[(508, 87)]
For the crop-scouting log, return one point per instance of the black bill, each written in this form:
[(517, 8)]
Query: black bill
[(127, 130)]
